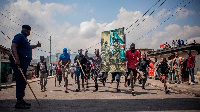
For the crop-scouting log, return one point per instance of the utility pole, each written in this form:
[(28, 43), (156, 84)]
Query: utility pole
[(50, 49), (50, 59)]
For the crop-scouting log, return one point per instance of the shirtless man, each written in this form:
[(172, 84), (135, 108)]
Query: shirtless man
[(64, 61)]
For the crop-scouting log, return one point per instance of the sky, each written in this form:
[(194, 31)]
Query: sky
[(76, 24)]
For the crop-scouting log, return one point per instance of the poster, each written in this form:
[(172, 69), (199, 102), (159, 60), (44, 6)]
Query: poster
[(113, 51)]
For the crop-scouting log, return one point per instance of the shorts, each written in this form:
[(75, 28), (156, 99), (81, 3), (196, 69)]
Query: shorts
[(117, 75), (65, 72), (162, 77), (134, 71), (143, 74), (79, 72)]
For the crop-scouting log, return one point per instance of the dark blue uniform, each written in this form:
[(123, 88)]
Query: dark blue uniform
[(24, 52)]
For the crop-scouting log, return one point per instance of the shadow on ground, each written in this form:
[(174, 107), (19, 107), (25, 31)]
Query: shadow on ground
[(169, 104)]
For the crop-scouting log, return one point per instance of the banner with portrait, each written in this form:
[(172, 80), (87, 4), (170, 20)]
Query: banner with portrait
[(113, 51)]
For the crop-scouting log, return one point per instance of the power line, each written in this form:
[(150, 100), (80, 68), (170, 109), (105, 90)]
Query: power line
[(147, 16), (160, 16), (162, 22), (140, 18), (34, 23), (143, 14)]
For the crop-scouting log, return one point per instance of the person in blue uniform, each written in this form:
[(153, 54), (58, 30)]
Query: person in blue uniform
[(22, 51)]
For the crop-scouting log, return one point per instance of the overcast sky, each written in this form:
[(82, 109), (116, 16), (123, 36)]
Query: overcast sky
[(76, 24)]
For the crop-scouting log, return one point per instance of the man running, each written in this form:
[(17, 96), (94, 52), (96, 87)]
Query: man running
[(164, 70), (97, 66), (142, 69), (80, 58), (64, 61), (132, 56)]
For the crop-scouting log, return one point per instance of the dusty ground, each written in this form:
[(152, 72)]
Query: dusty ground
[(55, 99)]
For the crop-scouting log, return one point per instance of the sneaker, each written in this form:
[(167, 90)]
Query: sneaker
[(21, 106), (118, 90), (143, 86), (66, 91), (167, 91), (133, 93), (77, 90)]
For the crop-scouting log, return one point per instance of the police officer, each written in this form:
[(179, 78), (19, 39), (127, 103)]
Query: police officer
[(22, 51)]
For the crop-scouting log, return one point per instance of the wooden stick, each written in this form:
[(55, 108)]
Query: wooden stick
[(81, 68), (55, 80), (26, 80)]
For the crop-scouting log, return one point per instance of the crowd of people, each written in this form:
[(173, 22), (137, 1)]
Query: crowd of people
[(86, 68), (177, 43), (177, 68)]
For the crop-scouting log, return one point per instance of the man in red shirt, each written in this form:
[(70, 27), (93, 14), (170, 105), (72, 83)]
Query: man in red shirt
[(132, 56), (191, 65)]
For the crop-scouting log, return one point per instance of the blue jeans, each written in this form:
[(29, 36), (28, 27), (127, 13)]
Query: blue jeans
[(191, 72), (170, 76)]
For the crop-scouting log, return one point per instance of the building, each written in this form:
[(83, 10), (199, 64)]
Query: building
[(182, 51), (6, 74)]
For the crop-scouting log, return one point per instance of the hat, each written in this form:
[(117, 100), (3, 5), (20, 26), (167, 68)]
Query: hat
[(26, 27), (65, 50)]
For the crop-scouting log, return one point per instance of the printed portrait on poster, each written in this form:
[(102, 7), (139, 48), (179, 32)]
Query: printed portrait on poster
[(113, 50)]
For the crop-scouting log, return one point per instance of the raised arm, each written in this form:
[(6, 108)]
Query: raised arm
[(35, 46)]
